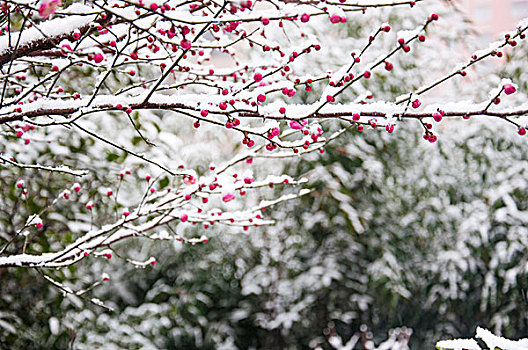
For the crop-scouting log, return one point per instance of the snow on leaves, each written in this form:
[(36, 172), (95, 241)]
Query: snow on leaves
[(491, 340)]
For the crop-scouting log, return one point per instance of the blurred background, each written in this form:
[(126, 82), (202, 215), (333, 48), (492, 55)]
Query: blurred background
[(398, 233), (494, 16)]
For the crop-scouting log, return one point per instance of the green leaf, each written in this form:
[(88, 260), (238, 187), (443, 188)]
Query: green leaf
[(112, 156), (164, 182), (136, 140)]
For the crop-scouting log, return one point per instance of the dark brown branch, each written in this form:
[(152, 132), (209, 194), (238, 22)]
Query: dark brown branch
[(254, 114), (43, 44)]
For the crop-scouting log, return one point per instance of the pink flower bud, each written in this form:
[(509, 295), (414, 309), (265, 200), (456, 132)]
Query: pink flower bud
[(98, 58), (335, 19), (185, 44), (509, 89), (248, 180), (228, 197), (295, 125)]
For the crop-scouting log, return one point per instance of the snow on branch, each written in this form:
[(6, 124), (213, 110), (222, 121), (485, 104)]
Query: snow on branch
[(168, 207), (35, 40), (63, 169)]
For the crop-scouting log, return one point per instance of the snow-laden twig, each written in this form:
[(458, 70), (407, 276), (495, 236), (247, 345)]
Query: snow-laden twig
[(476, 57), (63, 169)]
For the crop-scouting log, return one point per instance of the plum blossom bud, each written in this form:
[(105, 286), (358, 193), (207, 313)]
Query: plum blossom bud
[(37, 221), (98, 58), (228, 197), (185, 44), (295, 125), (509, 89), (76, 187), (337, 19), (248, 180)]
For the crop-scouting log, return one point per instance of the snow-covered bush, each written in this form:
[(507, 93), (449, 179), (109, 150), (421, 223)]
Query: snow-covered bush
[(126, 122)]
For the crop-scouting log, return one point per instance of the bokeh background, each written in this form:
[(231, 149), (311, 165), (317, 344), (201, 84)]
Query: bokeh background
[(397, 232)]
